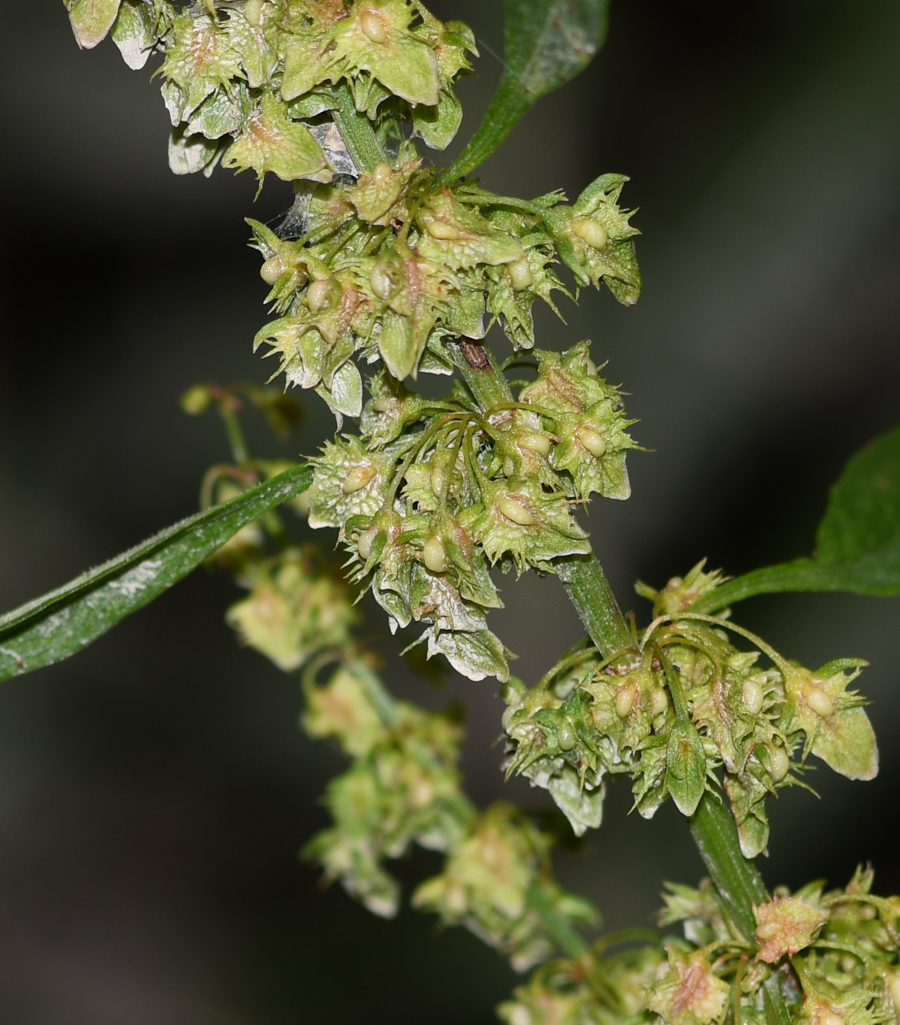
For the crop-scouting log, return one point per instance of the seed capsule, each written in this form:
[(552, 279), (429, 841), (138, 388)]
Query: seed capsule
[(590, 231), (443, 230), (534, 442), (752, 696), (515, 511), (625, 700), (520, 273), (357, 477), (779, 764), (818, 700), (383, 405), (434, 556), (272, 269), (565, 737), (373, 26), (253, 12), (592, 440), (318, 294)]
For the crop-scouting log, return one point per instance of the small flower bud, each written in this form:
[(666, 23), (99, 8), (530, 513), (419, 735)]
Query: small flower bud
[(818, 700), (515, 511), (752, 696), (565, 737), (373, 26), (590, 231), (383, 405), (443, 230), (434, 555), (520, 273), (272, 269), (534, 442), (318, 294), (592, 440), (357, 478), (436, 478)]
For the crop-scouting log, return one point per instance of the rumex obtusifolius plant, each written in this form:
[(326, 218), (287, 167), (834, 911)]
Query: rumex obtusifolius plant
[(389, 269)]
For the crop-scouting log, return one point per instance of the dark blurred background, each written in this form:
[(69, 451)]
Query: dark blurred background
[(154, 790)]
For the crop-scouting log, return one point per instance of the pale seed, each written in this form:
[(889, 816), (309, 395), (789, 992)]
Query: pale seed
[(779, 764), (358, 477), (443, 230), (818, 700), (520, 273), (515, 511), (625, 700), (565, 737), (534, 442), (592, 440), (318, 294), (253, 12), (590, 231), (272, 269), (434, 556), (373, 26), (752, 696)]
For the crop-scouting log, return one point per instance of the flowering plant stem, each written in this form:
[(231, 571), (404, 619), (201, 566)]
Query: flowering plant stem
[(736, 878)]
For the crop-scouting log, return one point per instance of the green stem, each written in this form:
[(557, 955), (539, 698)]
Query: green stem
[(712, 825), (735, 877), (558, 928), (595, 601), (356, 131)]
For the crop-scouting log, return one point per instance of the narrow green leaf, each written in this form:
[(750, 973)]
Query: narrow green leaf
[(66, 620), (858, 541), (547, 43)]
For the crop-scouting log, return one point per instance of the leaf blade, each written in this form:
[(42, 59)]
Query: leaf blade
[(857, 543), (547, 42), (62, 622)]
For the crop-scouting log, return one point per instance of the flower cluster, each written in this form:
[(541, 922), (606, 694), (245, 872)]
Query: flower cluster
[(402, 788), (833, 957), (680, 704), (436, 492), (497, 882), (398, 264), (248, 83)]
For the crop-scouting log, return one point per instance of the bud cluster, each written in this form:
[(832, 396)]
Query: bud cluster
[(681, 704), (434, 493)]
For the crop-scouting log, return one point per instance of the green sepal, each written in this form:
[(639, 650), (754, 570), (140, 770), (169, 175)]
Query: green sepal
[(271, 141), (91, 20), (686, 766), (139, 28)]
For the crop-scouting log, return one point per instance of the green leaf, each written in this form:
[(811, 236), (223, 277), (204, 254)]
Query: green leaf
[(547, 43), (858, 541), (60, 623)]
